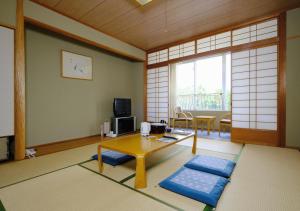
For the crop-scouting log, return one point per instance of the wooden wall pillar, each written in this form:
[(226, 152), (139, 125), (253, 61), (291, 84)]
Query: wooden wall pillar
[(19, 83), (282, 80)]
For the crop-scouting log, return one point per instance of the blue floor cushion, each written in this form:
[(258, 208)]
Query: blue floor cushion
[(113, 158), (213, 165), (201, 186)]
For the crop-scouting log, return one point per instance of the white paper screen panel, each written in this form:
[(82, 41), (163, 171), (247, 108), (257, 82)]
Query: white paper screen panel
[(158, 94), (255, 32), (214, 42), (157, 57), (182, 50), (255, 88)]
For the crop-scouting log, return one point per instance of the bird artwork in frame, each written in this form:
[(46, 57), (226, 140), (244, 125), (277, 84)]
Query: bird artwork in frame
[(76, 66)]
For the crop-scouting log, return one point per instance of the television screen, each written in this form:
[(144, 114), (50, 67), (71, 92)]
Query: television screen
[(122, 107)]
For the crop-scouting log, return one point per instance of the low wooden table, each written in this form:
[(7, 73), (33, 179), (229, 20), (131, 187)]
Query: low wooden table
[(140, 147), (208, 119)]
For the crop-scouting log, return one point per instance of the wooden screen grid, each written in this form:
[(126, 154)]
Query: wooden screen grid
[(182, 50), (255, 32), (158, 94), (214, 42), (255, 88), (251, 33), (159, 56)]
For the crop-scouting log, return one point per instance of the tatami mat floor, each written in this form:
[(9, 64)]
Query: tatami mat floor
[(75, 188), (215, 145), (68, 180), (13, 172), (265, 178), (156, 175), (159, 166)]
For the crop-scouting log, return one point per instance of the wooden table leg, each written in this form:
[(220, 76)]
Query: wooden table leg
[(208, 126), (100, 162), (140, 174), (214, 125), (195, 137), (174, 123)]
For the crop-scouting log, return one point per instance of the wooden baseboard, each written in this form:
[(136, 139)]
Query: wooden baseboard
[(254, 136), (58, 146), (289, 147)]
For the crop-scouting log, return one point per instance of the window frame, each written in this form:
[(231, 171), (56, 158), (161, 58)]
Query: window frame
[(224, 65)]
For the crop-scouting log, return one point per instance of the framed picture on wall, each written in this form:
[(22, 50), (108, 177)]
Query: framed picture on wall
[(76, 66)]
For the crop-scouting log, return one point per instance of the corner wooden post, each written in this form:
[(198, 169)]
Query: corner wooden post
[(282, 81), (19, 84)]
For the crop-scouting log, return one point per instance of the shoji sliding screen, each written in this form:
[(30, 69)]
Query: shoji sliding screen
[(255, 91), (258, 72), (158, 94), (255, 32)]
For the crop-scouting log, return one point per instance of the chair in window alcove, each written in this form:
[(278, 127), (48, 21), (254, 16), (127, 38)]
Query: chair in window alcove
[(225, 122), (181, 116)]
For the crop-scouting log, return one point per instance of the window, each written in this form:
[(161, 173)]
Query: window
[(204, 84)]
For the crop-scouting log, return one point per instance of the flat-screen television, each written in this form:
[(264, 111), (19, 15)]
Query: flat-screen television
[(122, 107)]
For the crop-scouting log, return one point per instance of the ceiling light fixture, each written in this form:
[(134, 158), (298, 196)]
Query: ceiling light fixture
[(143, 2)]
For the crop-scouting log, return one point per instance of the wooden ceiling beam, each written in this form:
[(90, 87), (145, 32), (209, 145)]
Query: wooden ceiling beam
[(41, 3), (80, 39)]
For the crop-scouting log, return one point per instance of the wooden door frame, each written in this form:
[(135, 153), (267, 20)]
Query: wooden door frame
[(282, 81)]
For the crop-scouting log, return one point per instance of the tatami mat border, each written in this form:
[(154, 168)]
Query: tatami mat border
[(239, 155), (127, 186), (24, 180), (155, 164), (2, 208)]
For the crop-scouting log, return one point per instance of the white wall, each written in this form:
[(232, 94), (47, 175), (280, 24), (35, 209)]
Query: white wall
[(8, 12), (6, 81), (292, 78)]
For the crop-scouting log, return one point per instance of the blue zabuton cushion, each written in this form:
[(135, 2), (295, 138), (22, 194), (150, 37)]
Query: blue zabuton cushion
[(213, 165), (113, 158), (201, 186)]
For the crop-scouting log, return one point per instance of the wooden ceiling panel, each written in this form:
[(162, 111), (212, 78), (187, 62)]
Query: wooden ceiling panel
[(76, 9), (48, 3), (154, 20), (160, 27), (190, 25), (109, 11), (202, 23), (164, 21), (149, 14)]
